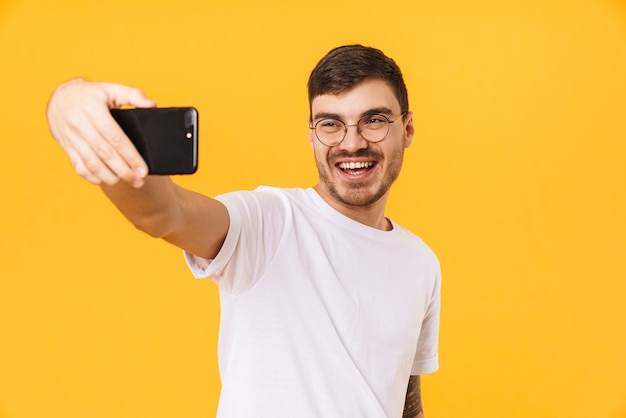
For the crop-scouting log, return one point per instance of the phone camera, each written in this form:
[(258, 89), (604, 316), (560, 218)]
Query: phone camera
[(189, 119)]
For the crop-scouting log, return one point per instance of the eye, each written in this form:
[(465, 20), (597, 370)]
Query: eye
[(374, 121), (329, 125), (329, 122)]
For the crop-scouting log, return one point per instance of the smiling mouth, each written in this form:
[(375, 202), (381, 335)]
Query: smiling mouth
[(356, 168)]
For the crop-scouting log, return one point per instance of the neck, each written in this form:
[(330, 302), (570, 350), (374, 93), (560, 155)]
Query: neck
[(372, 215)]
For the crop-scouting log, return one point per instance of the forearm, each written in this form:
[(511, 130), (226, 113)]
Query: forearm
[(189, 220), (413, 401), (150, 208), (408, 413)]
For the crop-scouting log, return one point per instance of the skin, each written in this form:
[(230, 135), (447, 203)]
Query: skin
[(100, 152), (413, 402), (361, 196)]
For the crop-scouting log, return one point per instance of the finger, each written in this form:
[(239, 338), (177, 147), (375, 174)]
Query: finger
[(117, 163), (99, 149), (120, 95), (108, 142), (118, 152), (90, 153), (80, 168), (88, 165)]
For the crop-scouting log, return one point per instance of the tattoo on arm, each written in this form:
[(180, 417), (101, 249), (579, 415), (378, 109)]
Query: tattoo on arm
[(413, 402)]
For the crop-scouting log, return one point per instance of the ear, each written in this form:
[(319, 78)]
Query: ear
[(409, 130), (312, 138)]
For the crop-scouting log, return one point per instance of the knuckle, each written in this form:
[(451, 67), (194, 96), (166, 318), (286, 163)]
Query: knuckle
[(74, 121), (91, 165), (113, 134), (104, 151), (116, 141)]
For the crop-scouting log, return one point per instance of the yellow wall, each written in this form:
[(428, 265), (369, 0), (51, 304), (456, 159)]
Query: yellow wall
[(516, 179)]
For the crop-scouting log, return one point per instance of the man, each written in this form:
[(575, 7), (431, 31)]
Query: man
[(329, 309)]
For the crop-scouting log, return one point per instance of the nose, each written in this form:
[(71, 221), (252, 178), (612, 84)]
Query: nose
[(353, 141)]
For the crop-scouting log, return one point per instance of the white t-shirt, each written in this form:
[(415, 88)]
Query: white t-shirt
[(321, 316)]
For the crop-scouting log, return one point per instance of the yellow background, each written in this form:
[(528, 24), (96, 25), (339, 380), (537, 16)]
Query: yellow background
[(516, 179)]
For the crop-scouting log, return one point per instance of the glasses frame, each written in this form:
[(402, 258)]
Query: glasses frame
[(358, 128)]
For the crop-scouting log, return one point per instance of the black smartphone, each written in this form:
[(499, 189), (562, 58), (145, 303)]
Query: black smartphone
[(166, 137)]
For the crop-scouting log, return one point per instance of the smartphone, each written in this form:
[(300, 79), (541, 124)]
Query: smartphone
[(166, 137)]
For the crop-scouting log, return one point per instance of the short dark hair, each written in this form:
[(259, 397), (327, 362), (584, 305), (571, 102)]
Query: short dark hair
[(346, 66)]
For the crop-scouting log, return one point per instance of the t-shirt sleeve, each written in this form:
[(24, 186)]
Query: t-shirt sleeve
[(203, 268), (426, 355), (249, 242)]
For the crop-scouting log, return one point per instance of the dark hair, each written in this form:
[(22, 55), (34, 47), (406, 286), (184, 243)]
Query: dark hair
[(346, 66)]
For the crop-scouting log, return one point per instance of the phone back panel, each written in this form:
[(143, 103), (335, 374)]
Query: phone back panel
[(166, 138)]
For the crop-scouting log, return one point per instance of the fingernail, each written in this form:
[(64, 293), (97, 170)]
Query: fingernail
[(141, 172), (137, 183)]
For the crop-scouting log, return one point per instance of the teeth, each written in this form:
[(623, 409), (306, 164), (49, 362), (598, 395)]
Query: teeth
[(352, 165)]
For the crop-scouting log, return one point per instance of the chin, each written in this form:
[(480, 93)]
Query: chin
[(357, 197)]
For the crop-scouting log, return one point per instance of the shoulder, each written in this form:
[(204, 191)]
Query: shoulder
[(414, 242), (272, 206), (263, 194)]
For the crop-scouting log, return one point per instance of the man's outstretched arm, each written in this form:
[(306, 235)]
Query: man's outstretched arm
[(80, 120), (413, 402)]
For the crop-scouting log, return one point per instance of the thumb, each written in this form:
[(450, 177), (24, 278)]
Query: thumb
[(119, 95)]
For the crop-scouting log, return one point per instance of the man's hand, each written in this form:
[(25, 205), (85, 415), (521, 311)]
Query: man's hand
[(79, 119)]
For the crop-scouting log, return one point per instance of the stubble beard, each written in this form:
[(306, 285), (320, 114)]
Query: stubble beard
[(358, 193)]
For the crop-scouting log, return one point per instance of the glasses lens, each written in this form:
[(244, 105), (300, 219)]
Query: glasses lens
[(330, 131), (374, 128)]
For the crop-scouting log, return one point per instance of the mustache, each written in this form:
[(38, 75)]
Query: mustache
[(362, 153)]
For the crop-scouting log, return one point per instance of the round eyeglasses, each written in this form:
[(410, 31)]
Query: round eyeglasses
[(372, 128)]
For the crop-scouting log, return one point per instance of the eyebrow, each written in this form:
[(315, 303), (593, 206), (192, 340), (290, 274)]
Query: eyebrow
[(375, 110)]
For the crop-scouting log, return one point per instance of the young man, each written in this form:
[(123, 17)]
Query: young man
[(329, 309)]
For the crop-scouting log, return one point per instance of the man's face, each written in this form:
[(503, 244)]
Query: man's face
[(375, 165)]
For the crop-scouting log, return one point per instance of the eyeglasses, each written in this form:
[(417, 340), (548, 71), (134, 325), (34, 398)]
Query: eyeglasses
[(372, 128)]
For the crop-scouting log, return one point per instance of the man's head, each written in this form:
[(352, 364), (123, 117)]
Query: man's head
[(346, 66), (359, 126)]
